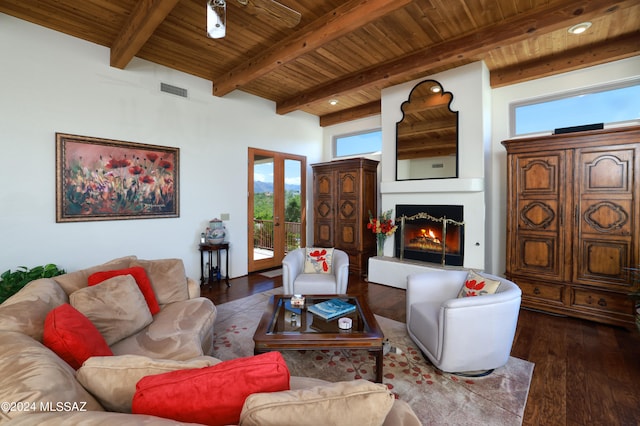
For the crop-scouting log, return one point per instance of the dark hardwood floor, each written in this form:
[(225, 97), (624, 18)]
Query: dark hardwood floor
[(585, 373)]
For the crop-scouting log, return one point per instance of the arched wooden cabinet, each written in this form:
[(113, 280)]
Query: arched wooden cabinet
[(573, 203), (344, 192)]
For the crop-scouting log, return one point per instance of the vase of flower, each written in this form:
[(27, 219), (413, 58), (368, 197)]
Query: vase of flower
[(380, 239), (383, 227)]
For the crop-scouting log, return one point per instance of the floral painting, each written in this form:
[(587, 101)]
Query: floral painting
[(102, 179)]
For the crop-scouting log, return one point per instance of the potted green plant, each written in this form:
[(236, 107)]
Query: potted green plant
[(12, 282), (634, 274)]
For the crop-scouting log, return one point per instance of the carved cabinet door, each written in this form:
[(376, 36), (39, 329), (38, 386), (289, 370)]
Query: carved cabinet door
[(348, 226), (323, 185), (538, 220), (606, 215)]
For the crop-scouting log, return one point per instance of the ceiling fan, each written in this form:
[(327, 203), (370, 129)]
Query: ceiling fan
[(269, 10)]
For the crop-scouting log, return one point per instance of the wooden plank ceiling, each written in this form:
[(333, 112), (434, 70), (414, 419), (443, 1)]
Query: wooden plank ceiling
[(347, 50)]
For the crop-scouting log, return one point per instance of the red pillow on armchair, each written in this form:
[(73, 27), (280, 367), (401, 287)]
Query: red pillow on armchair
[(210, 395)]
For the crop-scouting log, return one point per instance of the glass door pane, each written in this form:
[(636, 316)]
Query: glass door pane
[(292, 204), (263, 207)]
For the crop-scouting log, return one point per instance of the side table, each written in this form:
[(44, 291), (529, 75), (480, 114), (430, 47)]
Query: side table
[(214, 271)]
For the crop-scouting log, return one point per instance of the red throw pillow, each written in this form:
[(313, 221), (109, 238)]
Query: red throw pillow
[(210, 395), (72, 336), (140, 275)]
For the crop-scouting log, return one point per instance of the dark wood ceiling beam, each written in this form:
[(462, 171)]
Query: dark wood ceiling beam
[(466, 47), (607, 51), (143, 21), (349, 114), (335, 24)]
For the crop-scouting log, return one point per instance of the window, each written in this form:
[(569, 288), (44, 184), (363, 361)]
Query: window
[(357, 143), (606, 105)]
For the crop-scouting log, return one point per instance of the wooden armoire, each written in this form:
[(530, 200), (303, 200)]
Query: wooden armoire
[(344, 192), (573, 204)]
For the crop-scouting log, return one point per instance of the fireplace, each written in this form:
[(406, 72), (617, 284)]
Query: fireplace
[(430, 233)]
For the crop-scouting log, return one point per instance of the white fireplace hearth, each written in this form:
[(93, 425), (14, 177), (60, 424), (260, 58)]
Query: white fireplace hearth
[(393, 272)]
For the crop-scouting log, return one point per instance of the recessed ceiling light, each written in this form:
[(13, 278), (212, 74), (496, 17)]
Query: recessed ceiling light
[(333, 102), (579, 28)]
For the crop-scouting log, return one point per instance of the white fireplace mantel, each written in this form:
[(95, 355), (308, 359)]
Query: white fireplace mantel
[(433, 186)]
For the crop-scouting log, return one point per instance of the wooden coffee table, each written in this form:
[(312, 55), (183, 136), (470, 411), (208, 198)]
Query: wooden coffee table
[(276, 330)]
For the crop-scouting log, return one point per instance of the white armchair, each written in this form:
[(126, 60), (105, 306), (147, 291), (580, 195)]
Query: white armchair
[(461, 334), (295, 281)]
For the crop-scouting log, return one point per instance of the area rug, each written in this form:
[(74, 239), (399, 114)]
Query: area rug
[(272, 273), (437, 398)]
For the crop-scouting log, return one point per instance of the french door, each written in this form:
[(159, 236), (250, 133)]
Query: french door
[(276, 207)]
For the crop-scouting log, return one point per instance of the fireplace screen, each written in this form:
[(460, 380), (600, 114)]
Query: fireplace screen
[(430, 233)]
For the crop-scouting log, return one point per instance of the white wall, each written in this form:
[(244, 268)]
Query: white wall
[(50, 82)]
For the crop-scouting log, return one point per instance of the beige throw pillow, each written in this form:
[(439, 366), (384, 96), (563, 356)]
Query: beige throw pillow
[(168, 279), (26, 310), (115, 306), (357, 402), (76, 280), (477, 285), (318, 260), (112, 379)]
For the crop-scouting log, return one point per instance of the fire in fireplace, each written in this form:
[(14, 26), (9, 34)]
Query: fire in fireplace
[(430, 233)]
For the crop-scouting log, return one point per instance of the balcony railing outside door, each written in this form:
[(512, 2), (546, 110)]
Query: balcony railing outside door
[(263, 236)]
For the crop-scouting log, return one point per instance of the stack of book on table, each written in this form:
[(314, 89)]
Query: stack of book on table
[(331, 309)]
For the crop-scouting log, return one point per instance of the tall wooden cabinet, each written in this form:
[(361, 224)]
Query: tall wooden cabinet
[(344, 192), (573, 204)]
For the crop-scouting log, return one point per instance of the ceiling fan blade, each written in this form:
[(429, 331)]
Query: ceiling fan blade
[(272, 11)]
